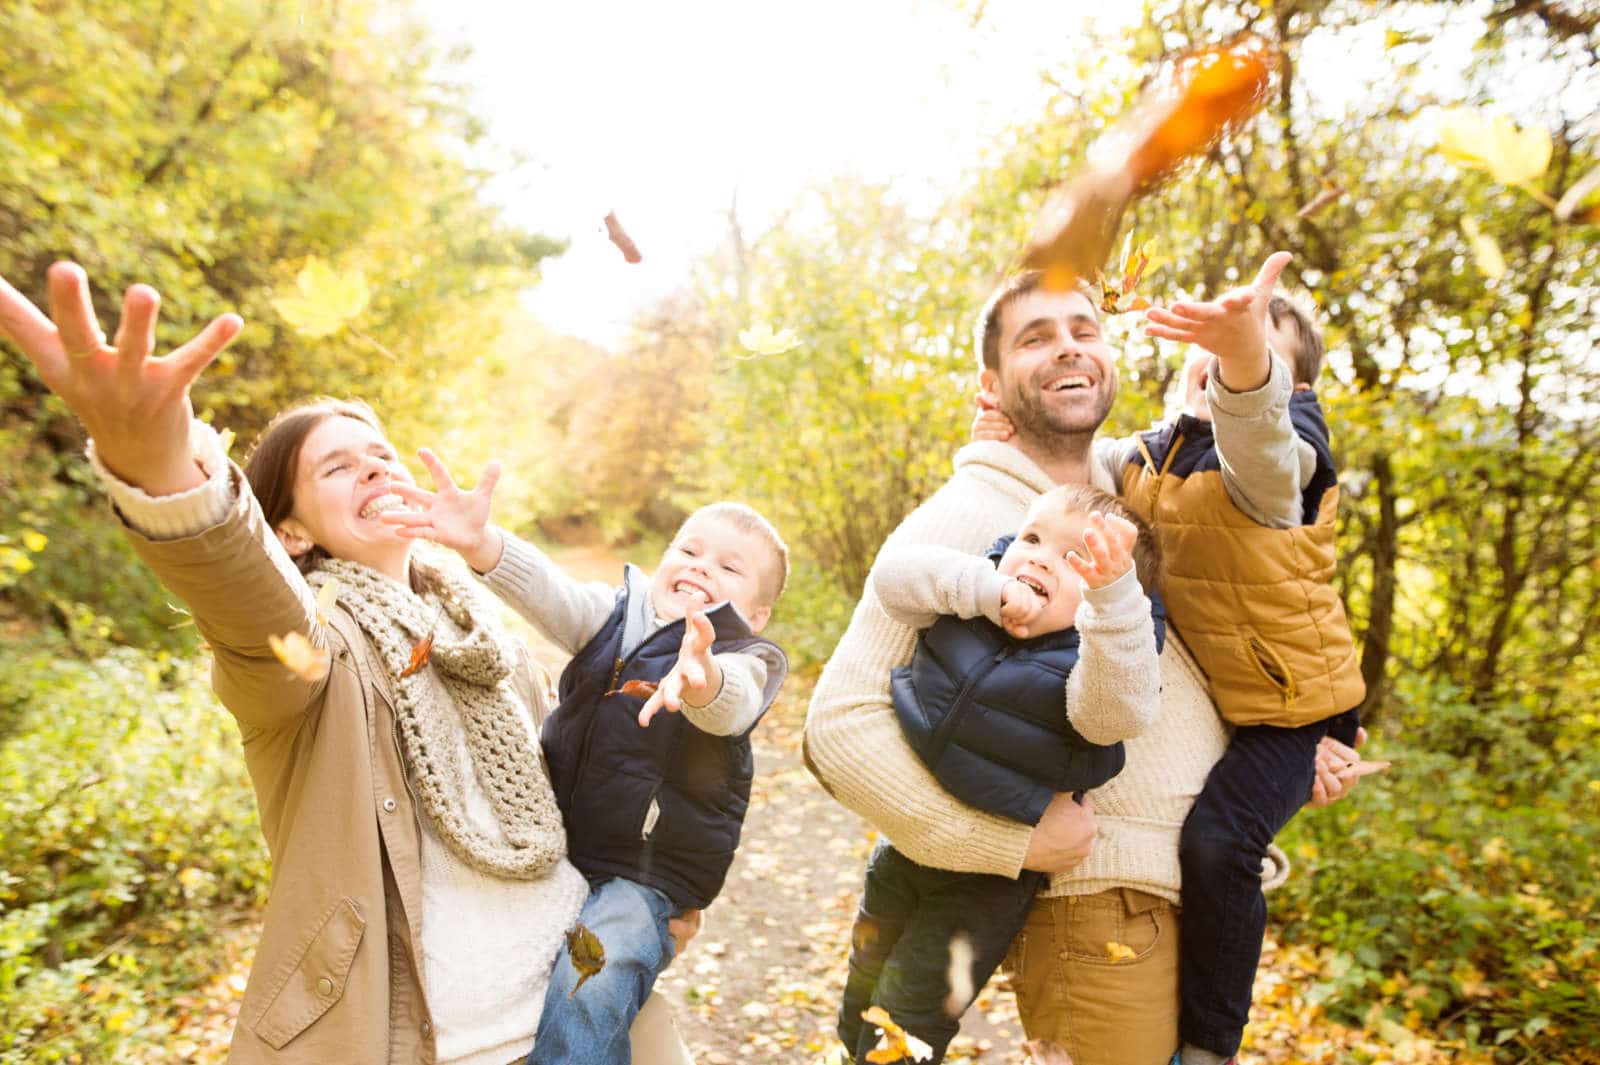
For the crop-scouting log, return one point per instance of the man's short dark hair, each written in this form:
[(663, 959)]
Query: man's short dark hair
[(986, 335), (1306, 360)]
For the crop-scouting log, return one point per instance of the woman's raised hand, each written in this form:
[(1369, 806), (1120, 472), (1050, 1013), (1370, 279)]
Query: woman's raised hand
[(134, 404), (449, 516)]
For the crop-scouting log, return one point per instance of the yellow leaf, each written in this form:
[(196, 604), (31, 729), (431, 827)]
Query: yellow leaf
[(327, 595), (586, 953), (324, 301), (119, 1020), (1493, 142), (1120, 952), (895, 1043), (761, 340), (34, 540), (308, 663), (1485, 252)]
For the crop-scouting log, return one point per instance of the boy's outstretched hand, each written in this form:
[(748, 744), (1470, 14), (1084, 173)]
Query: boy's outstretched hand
[(449, 516), (1109, 541), (695, 677), (1233, 327)]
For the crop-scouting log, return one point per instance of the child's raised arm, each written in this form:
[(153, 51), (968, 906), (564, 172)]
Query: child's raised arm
[(569, 612), (1114, 692)]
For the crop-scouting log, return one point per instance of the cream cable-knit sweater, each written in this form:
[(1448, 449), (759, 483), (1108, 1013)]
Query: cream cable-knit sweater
[(478, 931), (855, 746)]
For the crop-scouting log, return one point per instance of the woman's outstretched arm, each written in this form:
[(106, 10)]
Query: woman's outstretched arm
[(234, 575)]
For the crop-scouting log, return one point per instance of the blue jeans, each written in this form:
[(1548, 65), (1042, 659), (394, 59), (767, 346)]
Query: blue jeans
[(589, 1026), (1260, 783)]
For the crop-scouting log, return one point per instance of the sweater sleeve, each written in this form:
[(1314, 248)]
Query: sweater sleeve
[(1265, 464), (738, 704), (183, 514), (1114, 692), (919, 583), (853, 743), (568, 611)]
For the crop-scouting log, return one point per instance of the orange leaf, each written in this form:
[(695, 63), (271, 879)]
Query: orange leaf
[(419, 656), (1205, 94), (305, 661), (637, 689)]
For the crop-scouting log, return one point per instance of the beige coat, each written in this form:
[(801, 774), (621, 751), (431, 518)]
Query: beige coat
[(336, 977)]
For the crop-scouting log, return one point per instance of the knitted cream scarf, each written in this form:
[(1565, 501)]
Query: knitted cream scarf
[(474, 669)]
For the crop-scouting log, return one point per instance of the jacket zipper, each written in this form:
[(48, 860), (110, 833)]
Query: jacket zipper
[(941, 735)]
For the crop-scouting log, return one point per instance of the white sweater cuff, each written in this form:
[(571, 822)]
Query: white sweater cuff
[(1122, 596), (183, 514)]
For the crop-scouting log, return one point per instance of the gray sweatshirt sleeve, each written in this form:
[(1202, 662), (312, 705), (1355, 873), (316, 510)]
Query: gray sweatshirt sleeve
[(738, 704), (185, 514), (567, 611), (919, 583), (1265, 464), (1114, 692)]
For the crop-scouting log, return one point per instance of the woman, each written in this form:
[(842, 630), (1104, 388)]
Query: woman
[(420, 887)]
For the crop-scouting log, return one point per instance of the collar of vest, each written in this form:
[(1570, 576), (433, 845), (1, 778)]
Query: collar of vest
[(638, 614)]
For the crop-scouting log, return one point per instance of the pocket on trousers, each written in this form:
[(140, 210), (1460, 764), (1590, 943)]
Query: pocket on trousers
[(309, 982), (1098, 926)]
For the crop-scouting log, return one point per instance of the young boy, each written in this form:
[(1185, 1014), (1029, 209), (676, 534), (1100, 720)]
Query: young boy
[(653, 803), (1035, 663), (1242, 492)]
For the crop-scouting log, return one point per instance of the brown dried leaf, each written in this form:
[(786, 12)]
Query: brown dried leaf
[(419, 656), (586, 952), (637, 689), (619, 236)]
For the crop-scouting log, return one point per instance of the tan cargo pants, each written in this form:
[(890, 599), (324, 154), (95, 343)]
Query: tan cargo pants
[(1072, 992)]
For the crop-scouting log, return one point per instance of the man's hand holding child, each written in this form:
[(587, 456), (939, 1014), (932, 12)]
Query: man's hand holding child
[(695, 679)]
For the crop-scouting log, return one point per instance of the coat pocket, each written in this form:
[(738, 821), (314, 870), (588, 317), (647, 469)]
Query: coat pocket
[(309, 981)]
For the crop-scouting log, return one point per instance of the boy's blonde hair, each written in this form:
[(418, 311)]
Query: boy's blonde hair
[(1306, 360), (1083, 498), (749, 519)]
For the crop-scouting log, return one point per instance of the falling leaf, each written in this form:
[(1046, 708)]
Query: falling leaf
[(761, 340), (308, 663), (1131, 271), (1493, 142), (959, 976), (324, 301), (619, 236), (419, 656), (34, 540), (585, 951), (895, 1043), (637, 689), (1204, 94), (1326, 197), (1485, 252), (327, 595), (1120, 952)]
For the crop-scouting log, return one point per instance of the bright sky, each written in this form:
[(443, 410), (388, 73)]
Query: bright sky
[(662, 110)]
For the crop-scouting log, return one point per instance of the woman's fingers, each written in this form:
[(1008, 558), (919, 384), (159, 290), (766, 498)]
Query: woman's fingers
[(436, 470), (490, 478), (26, 326), (188, 360), (409, 519), (413, 494), (136, 333), (73, 311)]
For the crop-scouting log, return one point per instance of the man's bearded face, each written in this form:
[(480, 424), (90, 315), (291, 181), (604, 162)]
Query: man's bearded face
[(1057, 375)]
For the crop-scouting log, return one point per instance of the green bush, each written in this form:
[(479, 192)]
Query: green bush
[(127, 826), (1460, 893)]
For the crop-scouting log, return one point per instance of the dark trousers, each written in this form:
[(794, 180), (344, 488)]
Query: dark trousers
[(900, 947), (1257, 787)]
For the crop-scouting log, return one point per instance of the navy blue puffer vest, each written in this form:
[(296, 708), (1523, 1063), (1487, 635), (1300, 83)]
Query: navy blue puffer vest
[(607, 771), (987, 714)]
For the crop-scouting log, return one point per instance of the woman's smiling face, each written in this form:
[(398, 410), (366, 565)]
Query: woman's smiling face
[(341, 485)]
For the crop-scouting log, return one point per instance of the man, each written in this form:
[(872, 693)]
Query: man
[(1114, 858)]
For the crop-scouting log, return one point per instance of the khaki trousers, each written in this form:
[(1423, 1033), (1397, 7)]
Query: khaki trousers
[(1071, 992)]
